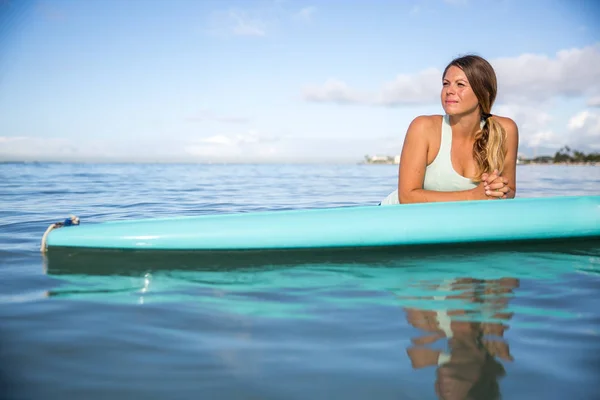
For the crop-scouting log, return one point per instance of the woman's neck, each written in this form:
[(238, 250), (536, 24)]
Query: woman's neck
[(466, 125)]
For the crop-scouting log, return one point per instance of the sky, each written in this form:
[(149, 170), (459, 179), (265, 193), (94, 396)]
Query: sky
[(282, 80)]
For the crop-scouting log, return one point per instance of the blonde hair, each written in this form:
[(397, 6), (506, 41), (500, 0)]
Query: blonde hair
[(489, 149)]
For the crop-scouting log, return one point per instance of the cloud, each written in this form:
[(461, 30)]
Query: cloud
[(526, 78), (305, 14), (222, 146), (32, 148), (259, 21), (537, 128), (9, 139), (334, 91), (532, 77), (526, 116), (17, 147), (544, 138), (533, 124), (251, 146), (207, 115), (238, 22), (594, 101), (232, 140), (254, 146), (403, 90), (584, 130), (421, 88)]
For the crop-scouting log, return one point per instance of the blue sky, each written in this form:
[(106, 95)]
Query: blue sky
[(281, 80)]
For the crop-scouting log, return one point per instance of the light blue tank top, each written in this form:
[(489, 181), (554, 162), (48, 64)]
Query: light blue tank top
[(440, 175)]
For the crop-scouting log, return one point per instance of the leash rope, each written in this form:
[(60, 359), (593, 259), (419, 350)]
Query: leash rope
[(72, 220)]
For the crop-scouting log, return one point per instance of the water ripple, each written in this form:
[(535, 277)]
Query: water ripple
[(348, 325)]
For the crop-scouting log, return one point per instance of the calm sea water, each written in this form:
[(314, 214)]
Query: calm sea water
[(479, 323)]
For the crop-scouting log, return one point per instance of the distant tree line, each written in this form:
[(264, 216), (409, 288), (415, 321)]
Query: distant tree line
[(565, 155)]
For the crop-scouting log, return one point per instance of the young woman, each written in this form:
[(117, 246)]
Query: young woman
[(466, 154)]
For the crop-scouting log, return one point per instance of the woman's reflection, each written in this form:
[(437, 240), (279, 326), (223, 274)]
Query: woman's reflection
[(469, 369)]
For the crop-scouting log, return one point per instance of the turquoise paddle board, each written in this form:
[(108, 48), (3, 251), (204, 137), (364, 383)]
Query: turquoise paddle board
[(520, 219)]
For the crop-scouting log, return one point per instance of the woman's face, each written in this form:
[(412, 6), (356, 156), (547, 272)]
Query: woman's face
[(457, 95)]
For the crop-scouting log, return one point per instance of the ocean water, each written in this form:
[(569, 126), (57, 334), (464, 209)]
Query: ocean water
[(479, 323)]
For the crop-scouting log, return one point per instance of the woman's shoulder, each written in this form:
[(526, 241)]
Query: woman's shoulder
[(423, 128), (427, 119), (508, 124), (425, 123)]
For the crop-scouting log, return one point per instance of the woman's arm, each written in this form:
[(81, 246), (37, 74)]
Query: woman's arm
[(413, 162), (510, 161), (504, 185)]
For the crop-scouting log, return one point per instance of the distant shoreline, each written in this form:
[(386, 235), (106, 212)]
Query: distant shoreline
[(565, 156), (591, 164)]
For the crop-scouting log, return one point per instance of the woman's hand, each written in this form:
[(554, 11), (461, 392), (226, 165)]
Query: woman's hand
[(495, 185)]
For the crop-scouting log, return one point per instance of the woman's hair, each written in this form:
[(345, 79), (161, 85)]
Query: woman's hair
[(489, 149)]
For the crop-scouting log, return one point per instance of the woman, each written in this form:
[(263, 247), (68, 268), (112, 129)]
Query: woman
[(467, 363), (466, 154)]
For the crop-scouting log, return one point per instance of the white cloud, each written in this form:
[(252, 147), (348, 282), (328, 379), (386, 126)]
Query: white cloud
[(61, 149), (232, 140), (220, 147), (207, 115), (578, 120), (404, 89), (533, 77), (335, 91), (226, 148), (537, 128), (245, 27), (410, 89), (526, 116), (306, 14), (584, 130), (220, 140), (238, 22), (533, 124), (594, 101), (11, 139), (528, 86), (24, 147), (248, 147), (223, 146), (544, 138), (257, 21), (525, 79)]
